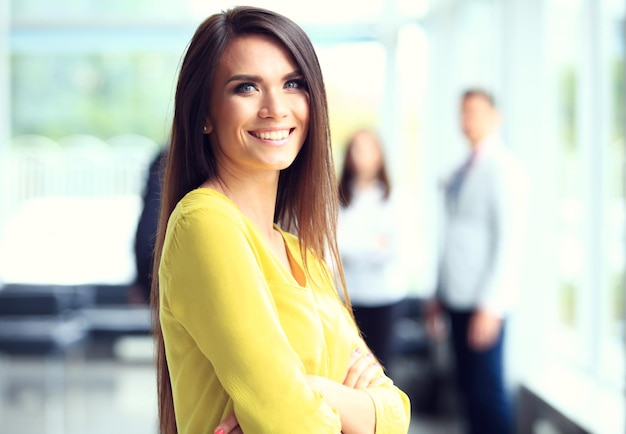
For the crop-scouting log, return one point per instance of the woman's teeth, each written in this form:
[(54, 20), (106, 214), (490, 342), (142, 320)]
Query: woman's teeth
[(272, 135)]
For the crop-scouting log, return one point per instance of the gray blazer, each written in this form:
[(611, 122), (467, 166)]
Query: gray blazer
[(484, 232)]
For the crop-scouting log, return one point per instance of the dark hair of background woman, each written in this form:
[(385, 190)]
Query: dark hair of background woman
[(348, 171)]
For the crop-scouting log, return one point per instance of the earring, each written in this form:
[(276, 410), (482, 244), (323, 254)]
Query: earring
[(204, 128)]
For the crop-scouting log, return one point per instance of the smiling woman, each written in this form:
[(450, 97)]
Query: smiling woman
[(252, 335), (256, 120)]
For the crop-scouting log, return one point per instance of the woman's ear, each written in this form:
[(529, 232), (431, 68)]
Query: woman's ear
[(208, 127)]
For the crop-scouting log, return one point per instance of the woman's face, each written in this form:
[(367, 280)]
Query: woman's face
[(366, 156), (259, 112)]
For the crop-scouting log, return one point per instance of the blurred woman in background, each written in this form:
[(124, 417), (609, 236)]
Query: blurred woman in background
[(368, 241)]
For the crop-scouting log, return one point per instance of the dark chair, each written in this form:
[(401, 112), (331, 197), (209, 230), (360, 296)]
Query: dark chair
[(41, 319), (41, 322), (112, 321), (421, 364)]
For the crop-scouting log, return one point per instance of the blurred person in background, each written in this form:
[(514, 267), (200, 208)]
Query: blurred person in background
[(368, 242), (251, 333), (485, 202), (145, 234)]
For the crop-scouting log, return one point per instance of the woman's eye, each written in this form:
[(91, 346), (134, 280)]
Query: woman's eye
[(245, 88), (296, 84)]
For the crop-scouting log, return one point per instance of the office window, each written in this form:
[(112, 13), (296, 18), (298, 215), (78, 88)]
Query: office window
[(612, 305), (94, 12), (569, 223), (98, 70), (101, 94), (588, 78), (354, 75)]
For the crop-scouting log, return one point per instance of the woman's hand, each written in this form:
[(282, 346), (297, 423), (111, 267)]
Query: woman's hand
[(230, 425), (363, 371), (355, 407)]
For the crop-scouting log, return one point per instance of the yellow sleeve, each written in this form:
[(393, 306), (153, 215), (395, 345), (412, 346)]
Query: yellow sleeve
[(218, 293), (393, 409), (392, 405)]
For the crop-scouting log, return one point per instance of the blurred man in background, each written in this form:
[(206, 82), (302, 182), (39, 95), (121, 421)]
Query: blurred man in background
[(478, 268)]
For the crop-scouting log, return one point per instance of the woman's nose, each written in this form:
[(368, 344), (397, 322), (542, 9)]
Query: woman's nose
[(274, 106)]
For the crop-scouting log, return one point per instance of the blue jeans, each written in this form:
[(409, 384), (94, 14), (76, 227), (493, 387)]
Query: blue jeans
[(480, 380)]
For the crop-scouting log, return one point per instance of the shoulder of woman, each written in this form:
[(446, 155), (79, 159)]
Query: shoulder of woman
[(207, 208)]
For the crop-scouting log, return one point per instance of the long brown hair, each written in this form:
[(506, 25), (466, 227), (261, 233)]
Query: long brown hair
[(306, 201), (348, 171)]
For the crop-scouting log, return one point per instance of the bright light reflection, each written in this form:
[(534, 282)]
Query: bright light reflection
[(321, 11)]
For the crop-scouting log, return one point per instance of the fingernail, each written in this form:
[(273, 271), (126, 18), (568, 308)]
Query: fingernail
[(219, 431), (358, 351), (369, 355)]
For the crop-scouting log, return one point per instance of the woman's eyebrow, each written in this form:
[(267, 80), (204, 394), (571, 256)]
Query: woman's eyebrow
[(292, 75), (258, 79), (244, 77)]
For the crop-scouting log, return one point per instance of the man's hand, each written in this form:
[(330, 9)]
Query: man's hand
[(434, 323), (484, 329)]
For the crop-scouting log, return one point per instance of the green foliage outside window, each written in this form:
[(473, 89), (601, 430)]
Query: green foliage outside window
[(100, 94)]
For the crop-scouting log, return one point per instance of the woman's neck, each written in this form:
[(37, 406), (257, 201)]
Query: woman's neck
[(255, 198), (363, 183)]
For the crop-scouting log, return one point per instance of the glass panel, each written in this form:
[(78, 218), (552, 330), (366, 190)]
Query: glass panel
[(355, 94), (320, 11), (95, 12), (101, 94), (613, 316), (570, 223), (414, 161), (100, 12)]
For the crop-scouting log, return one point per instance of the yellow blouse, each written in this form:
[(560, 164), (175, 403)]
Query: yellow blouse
[(241, 333)]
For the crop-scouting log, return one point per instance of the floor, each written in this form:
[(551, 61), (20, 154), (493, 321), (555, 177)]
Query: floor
[(96, 393)]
